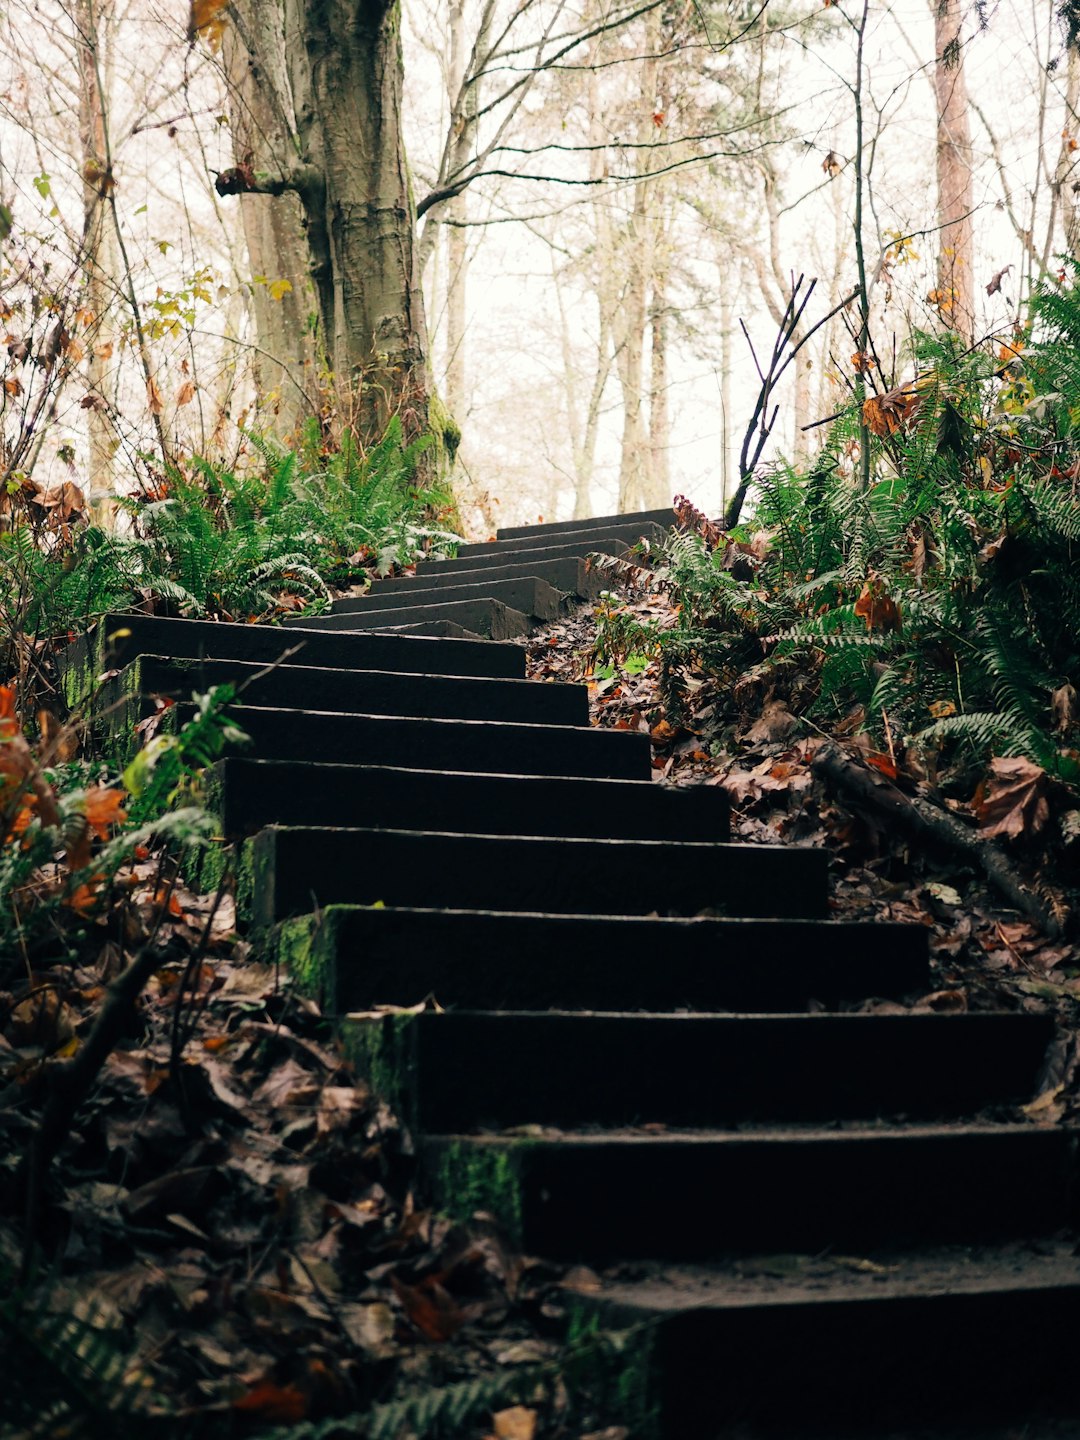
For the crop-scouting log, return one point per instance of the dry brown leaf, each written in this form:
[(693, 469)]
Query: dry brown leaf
[(516, 1423), (1063, 708), (885, 414), (153, 396), (185, 394), (1012, 802)]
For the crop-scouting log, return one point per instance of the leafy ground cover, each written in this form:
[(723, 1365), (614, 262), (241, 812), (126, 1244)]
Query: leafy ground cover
[(280, 532)]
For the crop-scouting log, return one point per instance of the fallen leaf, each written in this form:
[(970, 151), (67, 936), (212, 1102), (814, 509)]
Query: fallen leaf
[(277, 1404), (1012, 801), (517, 1423)]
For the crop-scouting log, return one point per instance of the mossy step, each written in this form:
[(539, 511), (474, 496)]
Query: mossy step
[(248, 794), (350, 958), (687, 1071), (369, 692), (664, 517), (117, 639), (481, 557), (297, 869), (698, 1196), (569, 576), (629, 534), (490, 618), (527, 593), (982, 1337), (484, 746)]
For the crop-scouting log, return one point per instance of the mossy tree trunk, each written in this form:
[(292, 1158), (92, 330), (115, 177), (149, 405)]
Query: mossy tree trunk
[(343, 97)]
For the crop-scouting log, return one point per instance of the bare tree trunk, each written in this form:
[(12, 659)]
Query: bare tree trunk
[(659, 403), (99, 251), (635, 480), (1067, 179), (956, 302), (456, 255), (727, 327), (282, 297)]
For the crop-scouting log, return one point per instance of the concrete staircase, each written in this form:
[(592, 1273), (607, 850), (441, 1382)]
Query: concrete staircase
[(805, 1218)]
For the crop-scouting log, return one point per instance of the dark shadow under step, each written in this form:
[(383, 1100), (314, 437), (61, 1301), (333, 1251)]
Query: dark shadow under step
[(487, 617), (351, 958), (977, 1337), (571, 1070), (664, 517), (485, 746), (699, 1196), (119, 639), (363, 692), (248, 794), (296, 870)]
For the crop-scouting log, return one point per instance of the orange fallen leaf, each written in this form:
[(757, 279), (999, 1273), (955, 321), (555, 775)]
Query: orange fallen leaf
[(877, 608), (1012, 800), (279, 1404)]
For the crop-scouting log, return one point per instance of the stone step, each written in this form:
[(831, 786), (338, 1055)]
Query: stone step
[(366, 692), (248, 794), (295, 870), (528, 593), (806, 1346), (497, 555), (351, 958), (629, 533), (118, 639), (448, 629), (485, 746), (572, 1069), (489, 618), (664, 517), (569, 576), (701, 1195)]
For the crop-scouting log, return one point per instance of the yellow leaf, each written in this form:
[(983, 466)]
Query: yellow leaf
[(279, 289), (207, 19)]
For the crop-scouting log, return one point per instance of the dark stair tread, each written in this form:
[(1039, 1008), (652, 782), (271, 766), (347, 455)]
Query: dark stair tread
[(528, 593), (485, 746), (487, 617), (369, 692), (568, 876), (629, 534), (697, 1195), (351, 959), (252, 793), (118, 639), (664, 516), (444, 629), (569, 576), (480, 557), (702, 1070), (985, 1333)]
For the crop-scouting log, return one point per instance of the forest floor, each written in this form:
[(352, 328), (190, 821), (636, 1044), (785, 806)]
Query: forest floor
[(239, 1213)]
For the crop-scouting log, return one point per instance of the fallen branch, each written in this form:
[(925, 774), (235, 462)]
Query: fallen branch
[(919, 820)]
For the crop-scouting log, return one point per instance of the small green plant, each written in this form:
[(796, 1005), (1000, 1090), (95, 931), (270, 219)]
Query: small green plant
[(66, 829)]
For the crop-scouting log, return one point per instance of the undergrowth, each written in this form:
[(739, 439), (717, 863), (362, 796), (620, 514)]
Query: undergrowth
[(249, 543), (939, 608)]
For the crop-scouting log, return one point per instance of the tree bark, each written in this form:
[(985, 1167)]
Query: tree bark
[(457, 259), (284, 362), (956, 303), (347, 164), (100, 263), (1067, 179)]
